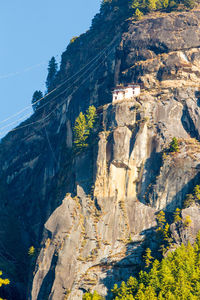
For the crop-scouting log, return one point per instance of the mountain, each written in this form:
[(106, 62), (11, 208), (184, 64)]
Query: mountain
[(91, 215)]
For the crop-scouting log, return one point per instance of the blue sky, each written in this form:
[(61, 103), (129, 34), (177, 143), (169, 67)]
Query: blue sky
[(31, 33)]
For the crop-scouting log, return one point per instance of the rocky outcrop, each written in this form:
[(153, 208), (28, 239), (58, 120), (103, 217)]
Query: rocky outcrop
[(96, 236)]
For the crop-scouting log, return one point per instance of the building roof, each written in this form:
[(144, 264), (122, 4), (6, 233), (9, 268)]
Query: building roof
[(120, 88)]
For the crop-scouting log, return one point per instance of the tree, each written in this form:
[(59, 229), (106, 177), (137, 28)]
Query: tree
[(91, 116), (52, 71), (189, 3), (177, 217), (36, 100), (165, 3), (187, 222), (80, 132), (197, 193), (174, 145), (90, 296), (175, 277), (31, 251), (160, 218), (189, 200), (5, 281), (84, 127), (148, 258), (152, 5), (138, 14)]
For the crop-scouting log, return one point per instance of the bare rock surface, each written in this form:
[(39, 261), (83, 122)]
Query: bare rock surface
[(91, 215)]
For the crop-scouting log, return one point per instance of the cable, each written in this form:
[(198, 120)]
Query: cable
[(58, 94), (60, 85), (48, 115), (48, 140), (16, 121), (23, 71)]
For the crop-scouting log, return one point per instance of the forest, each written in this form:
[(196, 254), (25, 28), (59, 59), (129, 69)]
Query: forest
[(175, 277)]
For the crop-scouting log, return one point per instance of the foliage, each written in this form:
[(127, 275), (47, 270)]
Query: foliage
[(146, 6), (176, 277), (31, 251), (148, 258), (90, 296), (36, 99), (187, 222), (189, 200), (173, 147), (163, 231), (138, 14), (83, 128), (189, 3), (73, 39), (5, 281), (177, 217), (197, 192), (192, 198), (52, 71)]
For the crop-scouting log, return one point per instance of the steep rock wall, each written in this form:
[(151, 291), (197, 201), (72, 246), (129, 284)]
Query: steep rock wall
[(93, 242)]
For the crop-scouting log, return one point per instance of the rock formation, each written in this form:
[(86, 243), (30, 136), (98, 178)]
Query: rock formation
[(91, 215)]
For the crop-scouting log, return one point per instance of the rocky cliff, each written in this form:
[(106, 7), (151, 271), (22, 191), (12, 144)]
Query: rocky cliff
[(92, 215)]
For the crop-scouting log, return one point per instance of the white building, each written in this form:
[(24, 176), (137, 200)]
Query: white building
[(125, 92)]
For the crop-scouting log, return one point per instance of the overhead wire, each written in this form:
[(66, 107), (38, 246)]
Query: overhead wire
[(42, 106), (48, 115), (23, 71), (59, 86)]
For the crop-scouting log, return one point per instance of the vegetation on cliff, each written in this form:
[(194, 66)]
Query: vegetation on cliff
[(192, 198), (176, 277), (5, 281), (83, 128)]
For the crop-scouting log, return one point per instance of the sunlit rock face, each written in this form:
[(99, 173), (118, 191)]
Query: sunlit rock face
[(90, 216)]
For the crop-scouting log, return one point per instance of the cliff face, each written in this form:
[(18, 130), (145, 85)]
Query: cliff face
[(92, 215)]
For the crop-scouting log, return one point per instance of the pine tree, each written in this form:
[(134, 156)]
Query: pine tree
[(152, 5), (31, 251), (36, 100), (161, 219), (147, 257), (165, 3), (84, 128), (52, 71), (138, 14), (80, 132), (177, 217), (135, 4), (90, 296), (91, 116), (189, 200), (187, 222), (197, 193), (174, 145), (189, 3)]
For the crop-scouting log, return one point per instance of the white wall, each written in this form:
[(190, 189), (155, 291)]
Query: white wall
[(126, 93)]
